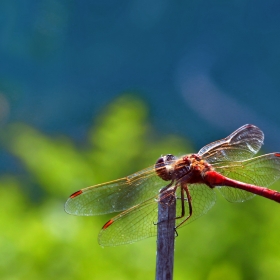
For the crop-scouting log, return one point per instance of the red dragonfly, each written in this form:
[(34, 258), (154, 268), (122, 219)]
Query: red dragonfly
[(227, 165)]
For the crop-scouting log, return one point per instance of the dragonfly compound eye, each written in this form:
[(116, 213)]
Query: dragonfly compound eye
[(164, 168)]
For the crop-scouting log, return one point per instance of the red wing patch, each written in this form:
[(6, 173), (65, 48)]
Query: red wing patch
[(76, 193), (108, 224)]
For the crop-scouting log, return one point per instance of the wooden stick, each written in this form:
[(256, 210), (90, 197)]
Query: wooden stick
[(165, 235)]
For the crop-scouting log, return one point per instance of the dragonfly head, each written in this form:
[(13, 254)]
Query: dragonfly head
[(164, 167)]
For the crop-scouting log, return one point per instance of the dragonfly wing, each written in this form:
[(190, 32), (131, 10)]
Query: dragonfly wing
[(139, 222), (136, 223), (203, 198), (261, 171), (115, 196), (242, 144), (235, 195)]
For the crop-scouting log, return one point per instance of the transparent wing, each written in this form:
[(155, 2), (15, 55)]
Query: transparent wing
[(132, 225), (203, 199), (139, 222), (242, 144), (261, 171), (115, 196)]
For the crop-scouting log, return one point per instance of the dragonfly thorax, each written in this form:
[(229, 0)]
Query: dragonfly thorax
[(169, 167)]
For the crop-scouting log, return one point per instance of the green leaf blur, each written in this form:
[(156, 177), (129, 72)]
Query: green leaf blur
[(40, 241)]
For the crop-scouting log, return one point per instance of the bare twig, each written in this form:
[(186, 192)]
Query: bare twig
[(165, 235)]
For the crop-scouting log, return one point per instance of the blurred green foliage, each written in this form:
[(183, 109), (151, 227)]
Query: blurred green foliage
[(40, 241)]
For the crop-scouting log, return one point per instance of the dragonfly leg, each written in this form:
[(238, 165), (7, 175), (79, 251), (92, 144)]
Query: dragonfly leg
[(166, 187), (182, 204), (185, 188)]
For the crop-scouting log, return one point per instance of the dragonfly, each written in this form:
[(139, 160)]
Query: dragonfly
[(228, 165)]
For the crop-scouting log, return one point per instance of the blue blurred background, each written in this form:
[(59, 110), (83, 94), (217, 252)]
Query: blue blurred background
[(204, 68), (188, 72)]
